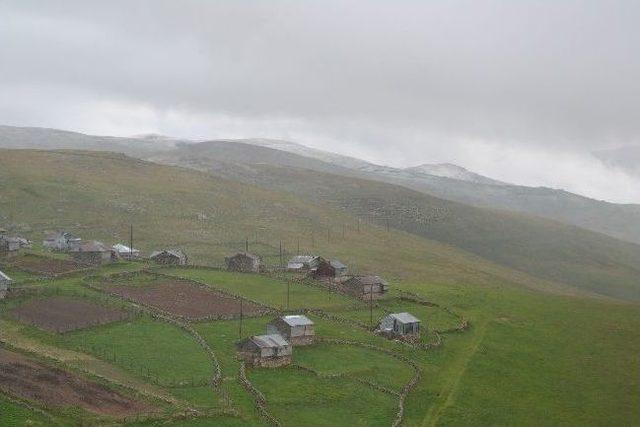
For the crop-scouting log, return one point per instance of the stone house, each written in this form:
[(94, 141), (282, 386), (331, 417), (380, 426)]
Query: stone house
[(125, 252), (296, 329), (244, 262), (329, 269), (5, 281), (61, 241), (366, 287), (400, 325), (265, 351), (93, 253), (169, 257), (303, 263)]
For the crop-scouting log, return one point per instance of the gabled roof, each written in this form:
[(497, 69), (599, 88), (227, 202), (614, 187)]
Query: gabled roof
[(246, 254), (5, 277), (337, 264), (297, 320), (302, 259), (92, 246), (120, 248), (369, 280), (405, 318), (173, 252), (269, 341)]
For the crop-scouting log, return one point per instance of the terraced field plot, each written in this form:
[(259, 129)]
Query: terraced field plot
[(63, 314), (43, 265), (271, 291), (182, 298), (27, 378)]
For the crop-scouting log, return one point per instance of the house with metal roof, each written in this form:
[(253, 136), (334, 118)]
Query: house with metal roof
[(169, 257), (61, 241), (244, 262), (303, 263), (5, 281), (366, 287), (126, 252), (270, 351), (297, 329), (400, 325)]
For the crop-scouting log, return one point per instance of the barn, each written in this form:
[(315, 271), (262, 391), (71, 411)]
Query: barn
[(303, 263), (5, 281), (244, 262), (93, 253), (169, 257), (400, 325), (296, 329), (366, 287), (329, 269), (269, 351)]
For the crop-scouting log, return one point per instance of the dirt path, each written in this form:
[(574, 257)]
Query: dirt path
[(10, 334), (457, 370)]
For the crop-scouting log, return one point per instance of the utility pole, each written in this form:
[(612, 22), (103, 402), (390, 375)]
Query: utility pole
[(343, 231), (371, 306), (329, 234), (298, 252), (246, 245), (280, 253), (240, 331), (358, 225), (313, 245), (288, 285), (130, 242)]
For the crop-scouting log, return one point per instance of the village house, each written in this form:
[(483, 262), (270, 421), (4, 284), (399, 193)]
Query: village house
[(61, 241), (366, 287), (93, 253), (244, 262), (400, 325), (169, 257), (125, 252), (296, 329), (268, 351), (329, 269), (303, 263), (9, 246), (5, 281)]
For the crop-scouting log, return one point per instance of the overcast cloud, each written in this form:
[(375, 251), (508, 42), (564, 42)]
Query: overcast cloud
[(521, 91)]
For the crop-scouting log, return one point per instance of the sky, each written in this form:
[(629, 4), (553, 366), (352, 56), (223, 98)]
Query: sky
[(521, 91)]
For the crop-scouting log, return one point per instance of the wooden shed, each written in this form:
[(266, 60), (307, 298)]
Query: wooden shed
[(297, 329), (265, 350), (400, 324), (366, 287), (244, 262), (5, 281), (93, 253), (169, 257), (329, 269)]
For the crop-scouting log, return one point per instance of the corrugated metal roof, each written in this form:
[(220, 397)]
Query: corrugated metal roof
[(405, 317), (297, 320), (337, 264), (302, 259), (5, 277), (93, 246), (174, 252), (269, 341), (120, 248)]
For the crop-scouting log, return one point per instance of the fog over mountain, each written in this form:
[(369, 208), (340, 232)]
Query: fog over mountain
[(521, 92)]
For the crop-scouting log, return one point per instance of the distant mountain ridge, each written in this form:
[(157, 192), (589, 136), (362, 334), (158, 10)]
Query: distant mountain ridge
[(625, 158), (448, 170)]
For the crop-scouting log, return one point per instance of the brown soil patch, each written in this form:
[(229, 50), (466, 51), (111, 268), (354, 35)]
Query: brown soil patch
[(43, 265), (63, 314), (186, 299), (30, 379)]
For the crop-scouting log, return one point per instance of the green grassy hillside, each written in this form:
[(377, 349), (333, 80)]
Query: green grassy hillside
[(529, 357), (547, 249)]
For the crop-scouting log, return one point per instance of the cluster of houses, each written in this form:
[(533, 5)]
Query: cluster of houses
[(93, 252), (275, 348)]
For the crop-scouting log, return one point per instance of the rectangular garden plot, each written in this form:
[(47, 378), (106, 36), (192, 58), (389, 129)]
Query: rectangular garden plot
[(27, 378), (184, 299), (42, 265), (63, 314)]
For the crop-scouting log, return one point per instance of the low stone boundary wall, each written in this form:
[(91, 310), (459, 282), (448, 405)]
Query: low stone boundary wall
[(260, 399)]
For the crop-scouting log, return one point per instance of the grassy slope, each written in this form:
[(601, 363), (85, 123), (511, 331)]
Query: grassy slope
[(540, 247), (529, 356)]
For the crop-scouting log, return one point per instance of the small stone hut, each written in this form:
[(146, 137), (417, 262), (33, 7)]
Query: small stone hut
[(93, 253), (169, 257), (400, 325), (5, 281), (244, 262), (61, 241), (366, 287), (296, 329), (265, 350), (125, 252), (9, 246)]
